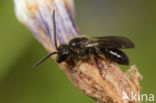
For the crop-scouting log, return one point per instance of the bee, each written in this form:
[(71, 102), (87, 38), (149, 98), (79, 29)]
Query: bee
[(82, 47)]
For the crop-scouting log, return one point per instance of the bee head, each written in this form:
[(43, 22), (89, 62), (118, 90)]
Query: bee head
[(63, 53)]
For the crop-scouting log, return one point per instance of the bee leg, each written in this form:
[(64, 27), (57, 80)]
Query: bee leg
[(92, 55), (92, 59), (106, 61), (100, 54)]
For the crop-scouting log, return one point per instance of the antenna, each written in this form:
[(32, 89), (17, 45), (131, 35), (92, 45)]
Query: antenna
[(54, 30), (55, 41), (42, 60)]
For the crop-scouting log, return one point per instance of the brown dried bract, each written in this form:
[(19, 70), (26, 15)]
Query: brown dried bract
[(102, 81)]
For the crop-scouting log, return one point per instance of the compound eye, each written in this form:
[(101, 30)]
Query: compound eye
[(64, 53), (61, 57)]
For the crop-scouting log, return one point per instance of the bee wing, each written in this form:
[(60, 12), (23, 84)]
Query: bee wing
[(118, 42)]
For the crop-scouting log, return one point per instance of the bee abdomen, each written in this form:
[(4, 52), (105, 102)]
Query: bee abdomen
[(115, 55)]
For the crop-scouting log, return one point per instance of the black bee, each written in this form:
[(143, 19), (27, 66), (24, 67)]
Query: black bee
[(81, 47)]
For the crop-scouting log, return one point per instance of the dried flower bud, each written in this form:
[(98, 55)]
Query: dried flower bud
[(37, 16), (104, 82)]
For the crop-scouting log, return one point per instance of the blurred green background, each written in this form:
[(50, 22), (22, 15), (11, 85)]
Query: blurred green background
[(135, 19)]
